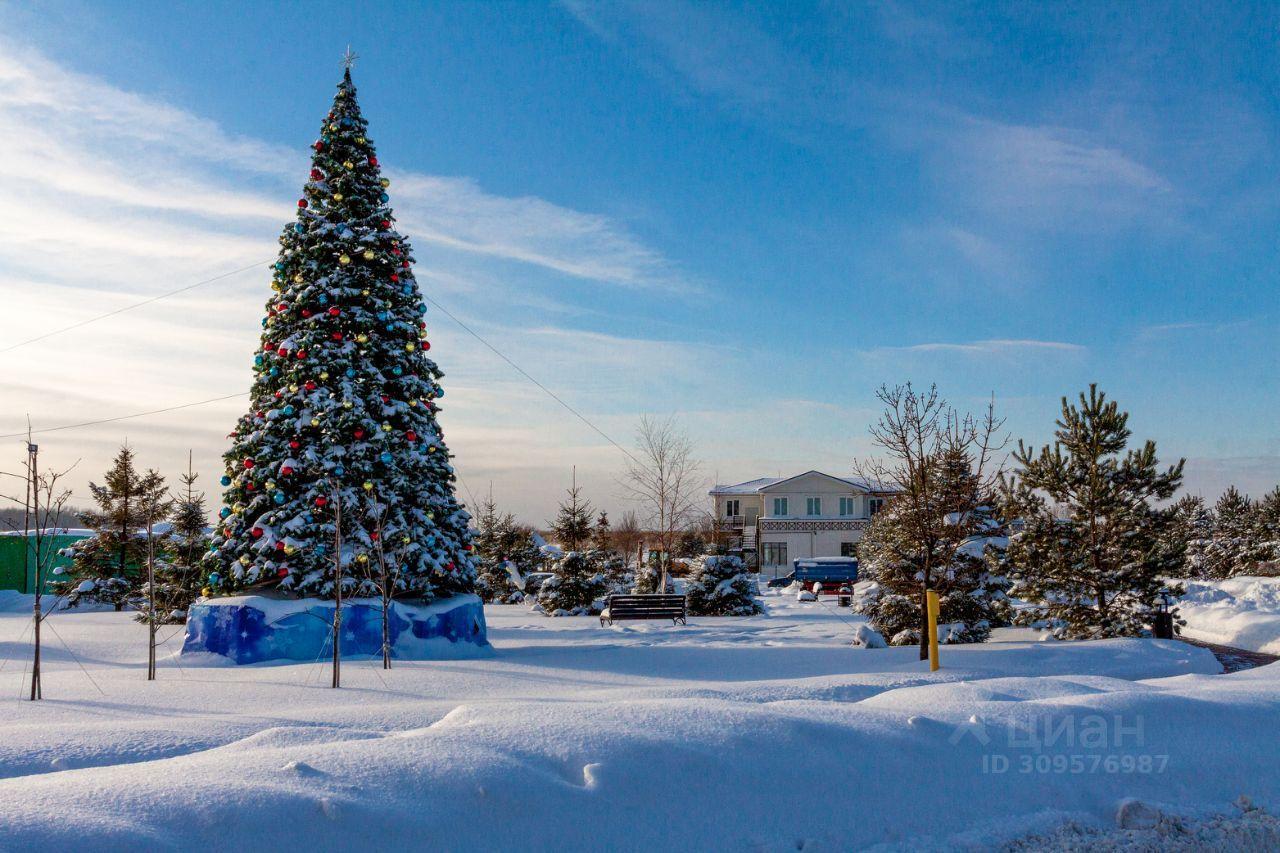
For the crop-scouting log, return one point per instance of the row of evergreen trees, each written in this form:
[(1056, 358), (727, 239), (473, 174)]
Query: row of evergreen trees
[(141, 528), (1236, 536), (1080, 530)]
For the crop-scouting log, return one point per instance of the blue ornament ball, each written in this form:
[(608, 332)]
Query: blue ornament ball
[(322, 298), (351, 373), (279, 497), (397, 370), (387, 458), (226, 481), (384, 198), (299, 227), (288, 410), (257, 361), (339, 471), (224, 512), (275, 371)]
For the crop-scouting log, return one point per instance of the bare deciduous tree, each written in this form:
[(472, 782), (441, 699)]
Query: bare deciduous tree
[(663, 478), (918, 431), (627, 536)]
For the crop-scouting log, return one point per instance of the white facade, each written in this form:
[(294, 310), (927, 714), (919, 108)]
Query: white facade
[(808, 515)]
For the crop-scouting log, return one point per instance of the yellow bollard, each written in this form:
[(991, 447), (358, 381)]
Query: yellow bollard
[(931, 598)]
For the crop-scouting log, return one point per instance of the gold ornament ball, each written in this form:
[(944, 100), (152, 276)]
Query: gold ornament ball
[(349, 165), (386, 182), (368, 254), (364, 292), (275, 285), (409, 347), (346, 404), (337, 196), (315, 422), (333, 127), (406, 540), (205, 592), (344, 259), (362, 338), (324, 374), (364, 558), (293, 389), (368, 486), (298, 278), (244, 559), (413, 403), (360, 140), (271, 484), (289, 549)]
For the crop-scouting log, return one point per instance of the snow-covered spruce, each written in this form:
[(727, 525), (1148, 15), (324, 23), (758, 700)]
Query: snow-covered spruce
[(343, 404), (577, 587), (719, 586)]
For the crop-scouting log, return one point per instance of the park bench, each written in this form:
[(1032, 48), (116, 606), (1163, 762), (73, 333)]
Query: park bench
[(655, 606)]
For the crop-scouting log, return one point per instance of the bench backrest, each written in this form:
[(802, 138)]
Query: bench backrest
[(646, 604)]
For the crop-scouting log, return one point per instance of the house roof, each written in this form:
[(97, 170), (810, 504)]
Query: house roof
[(760, 484)]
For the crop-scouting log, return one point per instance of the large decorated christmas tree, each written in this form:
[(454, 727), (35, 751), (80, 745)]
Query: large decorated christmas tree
[(342, 417)]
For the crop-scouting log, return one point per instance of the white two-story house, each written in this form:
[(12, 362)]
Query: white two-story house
[(809, 515)]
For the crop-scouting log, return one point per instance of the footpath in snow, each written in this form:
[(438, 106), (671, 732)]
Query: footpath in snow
[(763, 733)]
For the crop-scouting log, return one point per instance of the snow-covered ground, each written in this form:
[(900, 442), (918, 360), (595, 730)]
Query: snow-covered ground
[(1243, 612), (761, 733)]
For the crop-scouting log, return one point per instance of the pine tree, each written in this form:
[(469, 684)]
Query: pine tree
[(107, 567), (1234, 547), (1191, 529), (720, 586), (344, 399), (493, 541), (1267, 532), (572, 527), (179, 572), (964, 560), (1098, 571), (602, 535), (576, 588)]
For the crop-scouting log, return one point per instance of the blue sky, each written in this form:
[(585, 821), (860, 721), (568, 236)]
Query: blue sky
[(749, 216)]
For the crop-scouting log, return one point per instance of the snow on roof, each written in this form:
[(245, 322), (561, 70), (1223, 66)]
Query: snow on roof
[(748, 488), (751, 487)]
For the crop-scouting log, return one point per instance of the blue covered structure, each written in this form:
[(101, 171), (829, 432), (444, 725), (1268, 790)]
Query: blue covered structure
[(252, 628)]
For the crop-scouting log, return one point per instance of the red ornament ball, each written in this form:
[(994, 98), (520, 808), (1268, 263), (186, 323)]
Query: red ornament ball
[(316, 175), (337, 336), (411, 435), (285, 470), (306, 313), (319, 145), (373, 161), (284, 573), (426, 345), (395, 277), (257, 532), (302, 353), (359, 433), (293, 445), (385, 224), (310, 386), (279, 546), (268, 347), (248, 463), (321, 501), (302, 202), (334, 311), (282, 351)]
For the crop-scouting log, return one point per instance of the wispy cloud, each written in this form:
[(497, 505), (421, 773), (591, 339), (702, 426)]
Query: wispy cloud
[(994, 347)]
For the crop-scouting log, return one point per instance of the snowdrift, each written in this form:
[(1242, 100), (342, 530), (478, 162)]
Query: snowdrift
[(251, 629)]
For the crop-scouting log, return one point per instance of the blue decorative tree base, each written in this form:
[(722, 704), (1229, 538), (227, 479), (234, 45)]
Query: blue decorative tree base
[(252, 628)]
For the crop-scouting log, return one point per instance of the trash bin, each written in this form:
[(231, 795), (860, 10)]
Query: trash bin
[(844, 598)]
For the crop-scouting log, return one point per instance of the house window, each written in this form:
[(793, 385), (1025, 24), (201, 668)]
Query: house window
[(875, 505), (846, 506), (732, 508), (848, 549), (774, 553), (780, 507), (813, 506)]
